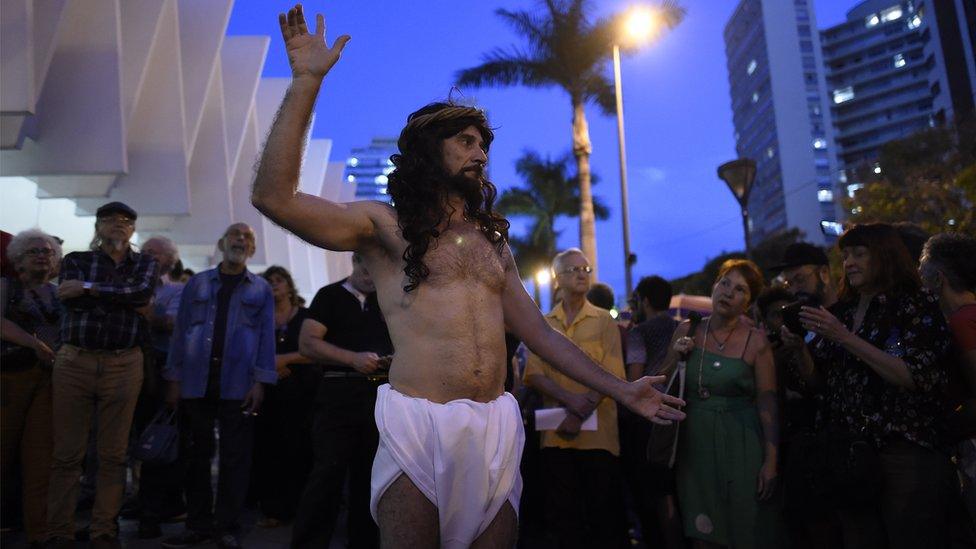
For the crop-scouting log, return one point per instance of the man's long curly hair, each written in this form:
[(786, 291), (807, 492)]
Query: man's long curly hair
[(420, 185)]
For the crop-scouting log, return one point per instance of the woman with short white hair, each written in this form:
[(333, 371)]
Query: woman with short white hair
[(29, 334)]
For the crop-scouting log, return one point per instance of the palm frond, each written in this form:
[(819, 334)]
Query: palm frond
[(500, 68)]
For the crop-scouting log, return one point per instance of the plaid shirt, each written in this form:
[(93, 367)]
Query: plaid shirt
[(109, 319)]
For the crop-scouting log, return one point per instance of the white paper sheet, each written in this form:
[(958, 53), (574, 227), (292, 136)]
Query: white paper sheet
[(548, 419)]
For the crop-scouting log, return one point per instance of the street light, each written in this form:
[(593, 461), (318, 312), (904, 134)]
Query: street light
[(739, 175), (639, 27), (542, 278)]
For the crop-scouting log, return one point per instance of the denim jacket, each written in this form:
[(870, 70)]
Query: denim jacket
[(249, 347)]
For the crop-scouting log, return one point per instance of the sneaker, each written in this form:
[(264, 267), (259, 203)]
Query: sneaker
[(186, 539), (229, 541)]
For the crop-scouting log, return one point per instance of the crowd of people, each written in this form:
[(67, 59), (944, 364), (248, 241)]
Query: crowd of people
[(822, 410)]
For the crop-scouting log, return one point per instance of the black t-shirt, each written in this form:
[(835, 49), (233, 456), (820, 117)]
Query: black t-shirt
[(349, 325), (286, 335), (228, 282)]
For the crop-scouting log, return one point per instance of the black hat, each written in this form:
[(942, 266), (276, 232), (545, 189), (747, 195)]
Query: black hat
[(116, 207), (802, 253)]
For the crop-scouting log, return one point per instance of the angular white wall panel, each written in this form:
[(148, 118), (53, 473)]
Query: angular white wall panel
[(79, 124), (242, 59), (202, 26), (210, 204), (158, 177)]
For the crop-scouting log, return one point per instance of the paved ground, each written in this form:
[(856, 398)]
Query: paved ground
[(253, 537)]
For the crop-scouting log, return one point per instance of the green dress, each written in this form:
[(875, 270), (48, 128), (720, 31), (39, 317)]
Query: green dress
[(720, 452)]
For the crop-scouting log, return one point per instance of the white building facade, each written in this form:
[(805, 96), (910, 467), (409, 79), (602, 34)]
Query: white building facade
[(143, 102)]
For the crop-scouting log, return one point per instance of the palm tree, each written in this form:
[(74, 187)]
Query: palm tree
[(550, 191), (569, 50)]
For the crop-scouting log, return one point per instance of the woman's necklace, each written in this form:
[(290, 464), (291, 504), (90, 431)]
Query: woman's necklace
[(721, 344)]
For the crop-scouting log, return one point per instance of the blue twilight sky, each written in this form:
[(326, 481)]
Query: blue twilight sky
[(404, 53)]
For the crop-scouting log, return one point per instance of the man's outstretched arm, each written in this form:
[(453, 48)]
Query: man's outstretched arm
[(523, 318), (275, 193)]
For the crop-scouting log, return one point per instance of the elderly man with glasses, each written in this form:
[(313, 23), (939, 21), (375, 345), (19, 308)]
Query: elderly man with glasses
[(581, 470), (98, 370)]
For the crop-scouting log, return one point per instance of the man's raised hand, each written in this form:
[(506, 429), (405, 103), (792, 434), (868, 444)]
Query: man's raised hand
[(308, 54)]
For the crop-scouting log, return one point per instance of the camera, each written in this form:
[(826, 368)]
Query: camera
[(791, 312)]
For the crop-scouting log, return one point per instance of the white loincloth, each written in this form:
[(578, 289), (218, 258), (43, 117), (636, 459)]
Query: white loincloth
[(463, 456)]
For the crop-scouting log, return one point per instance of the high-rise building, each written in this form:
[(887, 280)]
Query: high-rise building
[(894, 68), (781, 115), (368, 167)]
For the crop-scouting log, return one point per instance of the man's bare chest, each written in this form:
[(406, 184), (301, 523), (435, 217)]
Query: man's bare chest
[(464, 256)]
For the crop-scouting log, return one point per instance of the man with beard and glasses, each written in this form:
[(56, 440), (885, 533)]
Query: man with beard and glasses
[(221, 352), (98, 371), (446, 471)]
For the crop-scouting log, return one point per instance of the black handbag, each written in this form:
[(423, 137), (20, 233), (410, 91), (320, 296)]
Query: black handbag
[(160, 440), (662, 446)]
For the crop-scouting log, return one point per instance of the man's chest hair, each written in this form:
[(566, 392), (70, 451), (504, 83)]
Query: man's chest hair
[(465, 254)]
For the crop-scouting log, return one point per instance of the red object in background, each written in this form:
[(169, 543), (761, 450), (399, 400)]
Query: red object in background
[(6, 268)]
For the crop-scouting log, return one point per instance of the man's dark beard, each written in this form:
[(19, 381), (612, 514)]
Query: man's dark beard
[(468, 184)]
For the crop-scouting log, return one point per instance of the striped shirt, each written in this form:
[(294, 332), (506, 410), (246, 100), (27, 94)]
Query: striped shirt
[(107, 320)]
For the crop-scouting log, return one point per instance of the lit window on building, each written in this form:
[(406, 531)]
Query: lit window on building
[(899, 60), (381, 180), (752, 67), (755, 97), (819, 143), (825, 195), (842, 176), (770, 152), (871, 20), (853, 188), (383, 190), (915, 22), (351, 178), (843, 94), (352, 162), (389, 162), (388, 170), (891, 14)]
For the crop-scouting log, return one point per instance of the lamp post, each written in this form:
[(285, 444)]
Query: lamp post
[(541, 278), (639, 26), (739, 175)]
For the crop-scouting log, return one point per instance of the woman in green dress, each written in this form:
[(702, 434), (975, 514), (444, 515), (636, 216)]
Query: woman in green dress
[(726, 468)]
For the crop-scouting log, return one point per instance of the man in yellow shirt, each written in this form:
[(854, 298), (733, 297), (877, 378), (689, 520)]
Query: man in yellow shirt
[(581, 469)]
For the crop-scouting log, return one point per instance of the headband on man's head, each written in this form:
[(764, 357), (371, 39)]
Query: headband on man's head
[(447, 113)]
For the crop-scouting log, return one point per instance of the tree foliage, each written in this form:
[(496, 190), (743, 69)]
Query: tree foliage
[(549, 190), (565, 47), (928, 178)]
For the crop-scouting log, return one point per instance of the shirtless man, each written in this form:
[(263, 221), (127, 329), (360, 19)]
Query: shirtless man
[(446, 471)]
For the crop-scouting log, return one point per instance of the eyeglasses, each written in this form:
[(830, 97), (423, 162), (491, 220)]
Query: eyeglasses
[(127, 221), (579, 269), (39, 251)]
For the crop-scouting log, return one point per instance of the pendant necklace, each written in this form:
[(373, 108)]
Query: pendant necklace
[(721, 345)]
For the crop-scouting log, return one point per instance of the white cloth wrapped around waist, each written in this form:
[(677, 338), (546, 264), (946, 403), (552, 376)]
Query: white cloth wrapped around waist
[(462, 455)]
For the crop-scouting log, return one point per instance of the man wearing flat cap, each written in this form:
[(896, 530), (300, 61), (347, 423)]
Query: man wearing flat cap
[(98, 370), (806, 270)]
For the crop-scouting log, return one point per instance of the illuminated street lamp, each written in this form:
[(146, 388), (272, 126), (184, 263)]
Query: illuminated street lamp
[(639, 27), (739, 175), (542, 278)]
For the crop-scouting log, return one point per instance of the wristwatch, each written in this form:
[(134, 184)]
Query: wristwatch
[(87, 286)]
